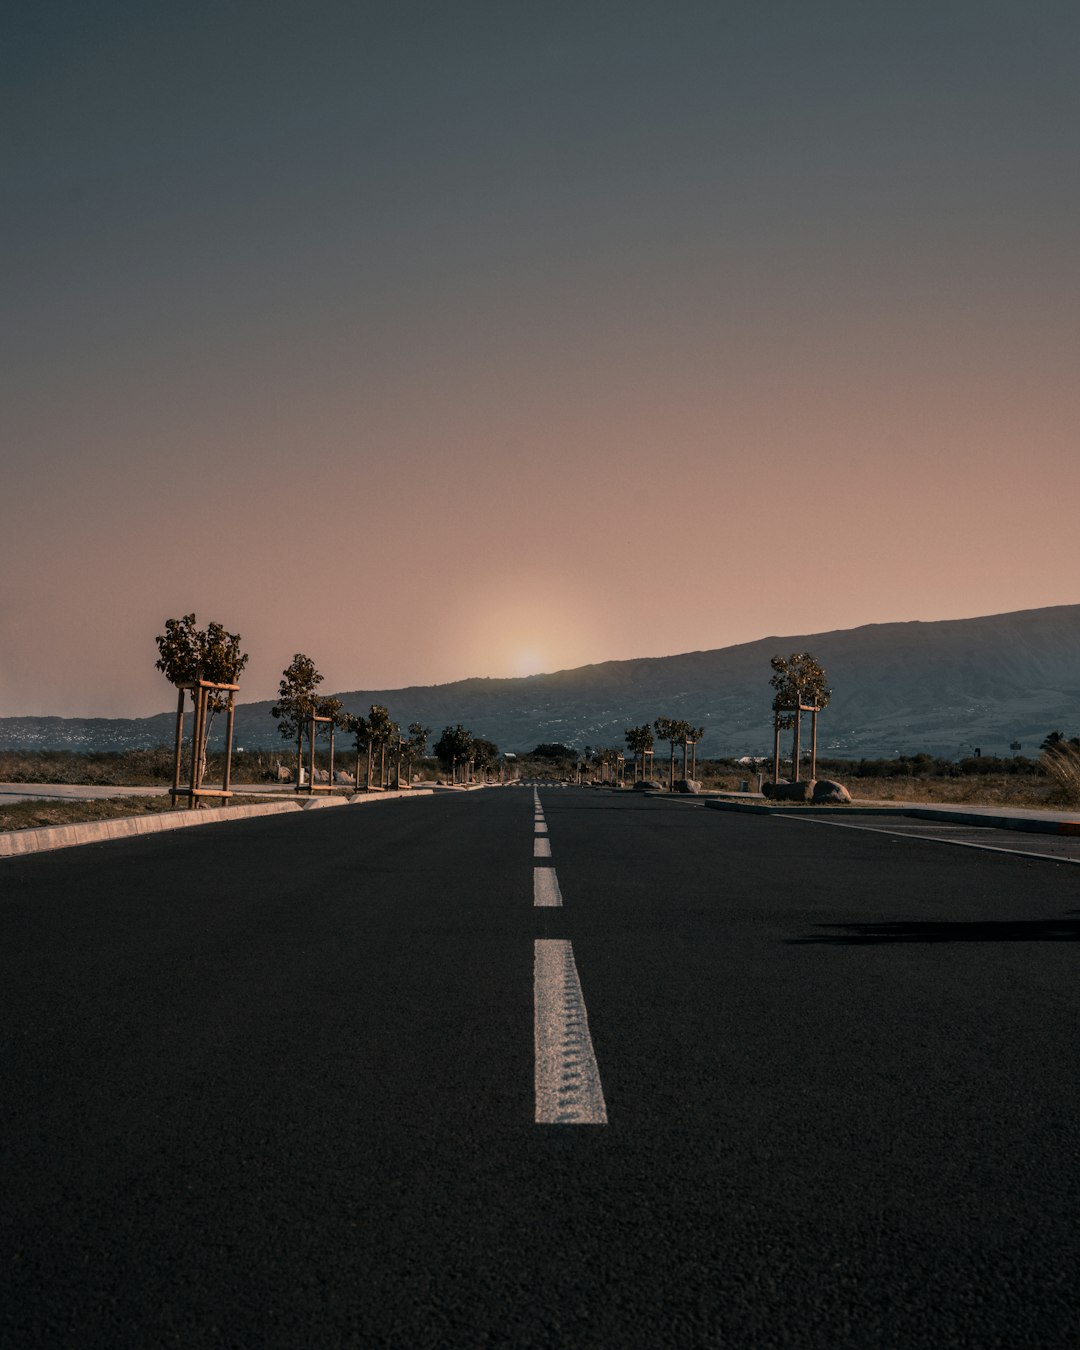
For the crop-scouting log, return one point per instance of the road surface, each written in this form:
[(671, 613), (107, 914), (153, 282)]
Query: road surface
[(602, 1072)]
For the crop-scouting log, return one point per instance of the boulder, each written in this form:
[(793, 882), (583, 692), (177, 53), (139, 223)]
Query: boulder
[(647, 785), (789, 792), (688, 785), (828, 793)]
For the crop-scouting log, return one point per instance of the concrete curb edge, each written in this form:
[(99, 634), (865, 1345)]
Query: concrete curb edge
[(22, 843)]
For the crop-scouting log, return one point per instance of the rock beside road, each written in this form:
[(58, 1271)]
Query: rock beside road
[(789, 792), (817, 791), (688, 785)]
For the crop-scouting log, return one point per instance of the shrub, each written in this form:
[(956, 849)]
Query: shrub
[(1062, 763)]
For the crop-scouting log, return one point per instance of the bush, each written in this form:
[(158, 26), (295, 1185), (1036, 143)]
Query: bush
[(1062, 763)]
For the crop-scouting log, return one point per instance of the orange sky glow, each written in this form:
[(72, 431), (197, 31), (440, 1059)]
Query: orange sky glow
[(508, 345)]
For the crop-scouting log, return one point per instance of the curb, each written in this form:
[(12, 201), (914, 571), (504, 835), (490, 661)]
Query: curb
[(1022, 824), (1025, 824), (20, 843)]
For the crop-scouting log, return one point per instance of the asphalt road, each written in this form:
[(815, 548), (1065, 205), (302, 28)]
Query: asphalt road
[(272, 1084)]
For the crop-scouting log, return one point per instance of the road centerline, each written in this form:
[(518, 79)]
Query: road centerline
[(546, 892), (568, 1088)]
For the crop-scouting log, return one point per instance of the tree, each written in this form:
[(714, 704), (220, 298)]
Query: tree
[(384, 732), (334, 709), (684, 731), (359, 728), (696, 733), (484, 756), (186, 654), (417, 745), (800, 682), (296, 703), (551, 750), (640, 741), (668, 729), (454, 746), (602, 758)]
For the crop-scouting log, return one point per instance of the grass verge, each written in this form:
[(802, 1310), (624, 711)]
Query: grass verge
[(36, 815)]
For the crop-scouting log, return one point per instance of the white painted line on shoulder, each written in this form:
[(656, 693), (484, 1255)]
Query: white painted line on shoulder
[(541, 847), (546, 887), (568, 1090), (936, 839)]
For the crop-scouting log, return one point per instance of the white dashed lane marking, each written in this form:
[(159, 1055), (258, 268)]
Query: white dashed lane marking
[(546, 887), (541, 847), (568, 1089)]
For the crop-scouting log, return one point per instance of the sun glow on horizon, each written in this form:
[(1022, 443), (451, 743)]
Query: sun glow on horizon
[(529, 661)]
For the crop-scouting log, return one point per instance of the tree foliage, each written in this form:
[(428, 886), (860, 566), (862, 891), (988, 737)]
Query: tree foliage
[(384, 730), (639, 740), (453, 746), (417, 744), (297, 698), (332, 708), (358, 727), (187, 653), (799, 680), (485, 754), (553, 750)]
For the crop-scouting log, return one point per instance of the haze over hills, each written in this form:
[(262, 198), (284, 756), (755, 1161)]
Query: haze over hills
[(943, 687)]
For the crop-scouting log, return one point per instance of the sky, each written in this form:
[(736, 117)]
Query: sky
[(439, 340)]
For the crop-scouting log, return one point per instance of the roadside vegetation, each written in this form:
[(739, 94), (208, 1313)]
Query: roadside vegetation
[(987, 780), (36, 815)]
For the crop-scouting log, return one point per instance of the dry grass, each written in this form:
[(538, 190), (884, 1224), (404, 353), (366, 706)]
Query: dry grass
[(1062, 763), (35, 815), (1022, 791)]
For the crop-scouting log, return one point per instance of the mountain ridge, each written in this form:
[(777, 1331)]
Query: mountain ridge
[(941, 686)]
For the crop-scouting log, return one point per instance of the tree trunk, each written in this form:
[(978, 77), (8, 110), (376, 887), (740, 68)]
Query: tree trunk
[(813, 743), (685, 754), (196, 732), (226, 780), (671, 768), (796, 748), (179, 746), (299, 755), (367, 772), (776, 749)]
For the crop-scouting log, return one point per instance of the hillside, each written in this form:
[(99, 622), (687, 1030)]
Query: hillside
[(940, 687)]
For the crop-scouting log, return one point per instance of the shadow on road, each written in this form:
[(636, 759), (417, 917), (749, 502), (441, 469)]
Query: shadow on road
[(1011, 930)]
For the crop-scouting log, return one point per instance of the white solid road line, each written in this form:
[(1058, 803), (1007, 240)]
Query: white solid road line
[(937, 839), (568, 1090), (546, 887), (541, 847)]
